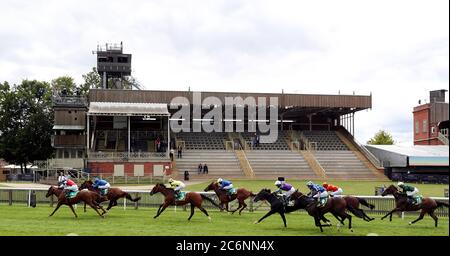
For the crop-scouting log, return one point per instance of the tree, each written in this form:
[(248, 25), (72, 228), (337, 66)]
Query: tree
[(26, 120), (64, 82), (381, 138), (91, 80)]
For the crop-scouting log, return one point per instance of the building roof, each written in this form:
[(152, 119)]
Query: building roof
[(68, 127), (127, 109), (418, 155)]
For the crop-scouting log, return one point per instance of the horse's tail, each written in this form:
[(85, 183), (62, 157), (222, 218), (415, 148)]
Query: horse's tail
[(439, 204), (365, 203), (210, 200), (128, 196), (356, 212)]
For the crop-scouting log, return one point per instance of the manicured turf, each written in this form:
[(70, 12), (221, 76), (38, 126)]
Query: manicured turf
[(366, 188), (25, 221)]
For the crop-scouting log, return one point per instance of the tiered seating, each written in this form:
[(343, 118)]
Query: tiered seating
[(220, 163), (343, 164), (279, 144), (325, 140), (203, 140), (274, 163)]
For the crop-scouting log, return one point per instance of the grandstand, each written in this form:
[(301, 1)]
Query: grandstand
[(122, 131)]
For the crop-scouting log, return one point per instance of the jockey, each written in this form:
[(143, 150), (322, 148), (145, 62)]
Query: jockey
[(318, 192), (176, 185), (68, 185), (103, 185), (283, 186), (225, 185), (410, 191), (333, 190)]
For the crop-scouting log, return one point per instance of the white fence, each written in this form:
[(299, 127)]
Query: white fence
[(24, 196)]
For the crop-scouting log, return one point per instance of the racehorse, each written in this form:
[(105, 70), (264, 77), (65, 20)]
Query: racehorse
[(113, 194), (334, 205), (88, 197), (427, 205), (241, 195), (276, 205), (193, 198)]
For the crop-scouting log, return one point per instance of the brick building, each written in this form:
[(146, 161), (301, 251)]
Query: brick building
[(431, 122)]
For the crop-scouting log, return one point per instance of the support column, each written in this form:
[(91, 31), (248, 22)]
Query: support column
[(129, 137), (168, 136), (87, 135), (310, 122), (353, 124), (104, 80)]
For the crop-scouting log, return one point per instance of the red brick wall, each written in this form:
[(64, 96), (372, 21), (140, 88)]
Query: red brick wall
[(420, 114), (108, 167)]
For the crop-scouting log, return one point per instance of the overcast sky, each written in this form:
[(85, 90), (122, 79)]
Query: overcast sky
[(396, 50)]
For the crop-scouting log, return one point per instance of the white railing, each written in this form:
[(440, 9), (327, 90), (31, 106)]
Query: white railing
[(443, 138), (25, 195), (372, 158)]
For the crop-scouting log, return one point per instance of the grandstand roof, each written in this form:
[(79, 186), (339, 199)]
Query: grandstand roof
[(418, 155), (293, 102), (127, 109)]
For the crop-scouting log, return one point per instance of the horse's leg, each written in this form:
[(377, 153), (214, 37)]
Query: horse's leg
[(93, 206), (284, 218), (160, 211), (204, 211), (240, 205), (422, 213), (366, 217), (71, 208), (192, 211), (244, 206), (435, 218), (317, 221), (390, 213), (85, 207), (349, 217), (100, 207), (111, 202), (337, 217), (57, 207), (265, 216), (157, 212)]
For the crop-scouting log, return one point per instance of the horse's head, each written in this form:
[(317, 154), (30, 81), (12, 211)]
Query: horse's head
[(391, 190), (297, 194), (51, 191), (86, 184), (212, 186), (157, 188), (262, 195)]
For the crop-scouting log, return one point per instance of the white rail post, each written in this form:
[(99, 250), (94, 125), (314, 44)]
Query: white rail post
[(29, 198), (124, 203)]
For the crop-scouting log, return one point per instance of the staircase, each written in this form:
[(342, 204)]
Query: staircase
[(344, 164), (367, 158), (221, 163), (274, 163)]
